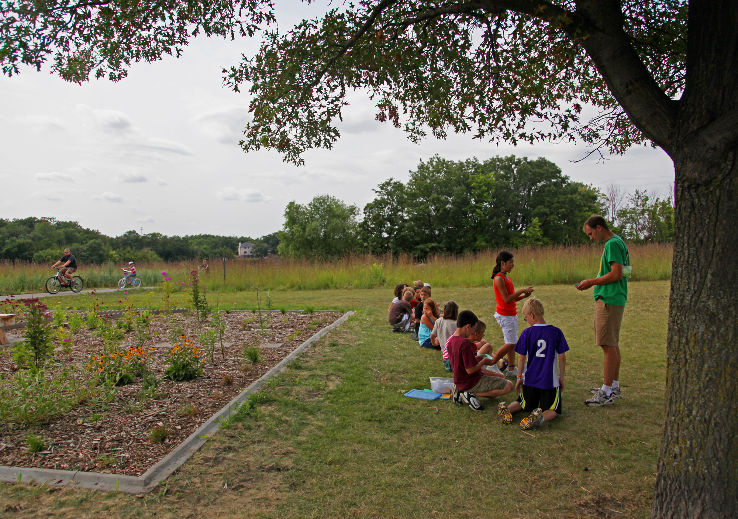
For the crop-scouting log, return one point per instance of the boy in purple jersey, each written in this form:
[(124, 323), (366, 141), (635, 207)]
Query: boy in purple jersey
[(544, 348)]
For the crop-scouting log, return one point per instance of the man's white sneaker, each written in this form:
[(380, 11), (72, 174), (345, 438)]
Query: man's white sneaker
[(599, 399), (616, 393)]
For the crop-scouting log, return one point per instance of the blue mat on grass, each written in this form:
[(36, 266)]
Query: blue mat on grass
[(423, 394)]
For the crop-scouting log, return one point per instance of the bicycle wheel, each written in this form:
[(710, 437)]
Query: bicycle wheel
[(77, 284), (121, 283), (53, 285), (135, 282)]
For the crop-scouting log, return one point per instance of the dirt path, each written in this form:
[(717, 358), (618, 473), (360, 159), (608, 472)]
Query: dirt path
[(64, 293)]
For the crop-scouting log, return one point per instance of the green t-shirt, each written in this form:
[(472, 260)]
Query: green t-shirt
[(615, 294)]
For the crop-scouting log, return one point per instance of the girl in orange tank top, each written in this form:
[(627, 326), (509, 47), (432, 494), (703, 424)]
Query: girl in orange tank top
[(506, 311)]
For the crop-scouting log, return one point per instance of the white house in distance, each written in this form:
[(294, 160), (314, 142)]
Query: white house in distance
[(244, 249)]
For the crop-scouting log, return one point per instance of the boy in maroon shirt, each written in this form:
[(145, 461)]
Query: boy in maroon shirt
[(470, 380)]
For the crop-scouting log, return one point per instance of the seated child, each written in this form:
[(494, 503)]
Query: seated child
[(443, 329), (421, 293), (400, 314), (542, 382), (470, 380), (484, 348), (398, 294), (427, 323)]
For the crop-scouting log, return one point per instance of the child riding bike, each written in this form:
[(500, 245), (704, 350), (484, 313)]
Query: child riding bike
[(130, 272)]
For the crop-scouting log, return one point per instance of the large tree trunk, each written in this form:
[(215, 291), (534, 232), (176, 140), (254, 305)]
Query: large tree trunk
[(697, 475)]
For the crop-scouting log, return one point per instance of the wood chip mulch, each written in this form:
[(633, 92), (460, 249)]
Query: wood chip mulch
[(115, 437)]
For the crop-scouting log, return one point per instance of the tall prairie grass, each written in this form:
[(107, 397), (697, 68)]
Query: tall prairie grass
[(533, 266)]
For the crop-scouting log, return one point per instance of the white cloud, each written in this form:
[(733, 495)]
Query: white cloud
[(54, 176), (162, 145), (41, 122), (109, 197), (132, 178), (232, 194), (113, 120), (224, 125), (145, 219), (56, 195), (161, 182)]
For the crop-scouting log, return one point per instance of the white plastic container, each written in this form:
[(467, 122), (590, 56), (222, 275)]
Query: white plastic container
[(441, 385)]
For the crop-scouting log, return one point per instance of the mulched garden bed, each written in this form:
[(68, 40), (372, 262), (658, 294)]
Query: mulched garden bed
[(115, 437)]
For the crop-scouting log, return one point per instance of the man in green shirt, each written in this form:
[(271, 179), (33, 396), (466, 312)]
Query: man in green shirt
[(610, 295)]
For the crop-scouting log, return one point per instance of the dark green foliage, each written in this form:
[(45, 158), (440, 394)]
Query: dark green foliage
[(42, 240), (102, 39), (456, 207), (37, 347), (325, 228), (35, 443), (647, 218)]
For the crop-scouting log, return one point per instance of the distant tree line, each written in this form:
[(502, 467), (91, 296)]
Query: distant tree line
[(42, 240), (445, 207), (453, 207)]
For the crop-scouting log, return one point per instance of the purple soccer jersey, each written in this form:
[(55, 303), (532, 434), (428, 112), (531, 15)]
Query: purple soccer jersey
[(542, 344)]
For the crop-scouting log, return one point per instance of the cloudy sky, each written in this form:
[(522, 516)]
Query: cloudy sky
[(158, 152)]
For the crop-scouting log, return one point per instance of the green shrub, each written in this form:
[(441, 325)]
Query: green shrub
[(75, 322), (117, 367), (184, 361), (37, 347), (35, 443), (158, 434), (251, 354), (187, 410), (60, 318), (199, 303), (35, 398)]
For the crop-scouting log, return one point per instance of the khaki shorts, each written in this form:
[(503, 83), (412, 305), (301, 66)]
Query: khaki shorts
[(67, 270), (607, 323), (488, 383)]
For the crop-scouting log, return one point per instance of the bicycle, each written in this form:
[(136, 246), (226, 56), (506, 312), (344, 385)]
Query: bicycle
[(55, 283), (135, 281)]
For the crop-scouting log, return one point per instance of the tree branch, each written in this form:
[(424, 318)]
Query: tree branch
[(375, 12)]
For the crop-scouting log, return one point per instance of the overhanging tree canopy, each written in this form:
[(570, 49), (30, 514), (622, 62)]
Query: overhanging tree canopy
[(101, 38)]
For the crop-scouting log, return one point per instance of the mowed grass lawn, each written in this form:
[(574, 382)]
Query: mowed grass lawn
[(334, 437)]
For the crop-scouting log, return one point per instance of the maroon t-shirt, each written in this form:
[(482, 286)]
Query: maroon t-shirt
[(463, 354)]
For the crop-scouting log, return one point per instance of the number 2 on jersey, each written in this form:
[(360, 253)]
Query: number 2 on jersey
[(541, 348)]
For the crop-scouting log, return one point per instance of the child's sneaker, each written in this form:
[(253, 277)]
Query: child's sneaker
[(599, 399), (512, 373), (471, 400), (534, 419), (504, 413)]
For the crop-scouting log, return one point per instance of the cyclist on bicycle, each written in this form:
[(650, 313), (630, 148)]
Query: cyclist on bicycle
[(130, 272), (67, 265)]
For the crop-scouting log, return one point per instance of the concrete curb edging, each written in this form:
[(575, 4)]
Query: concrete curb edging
[(172, 461)]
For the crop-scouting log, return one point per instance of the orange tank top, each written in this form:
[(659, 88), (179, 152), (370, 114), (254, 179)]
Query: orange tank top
[(502, 307)]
